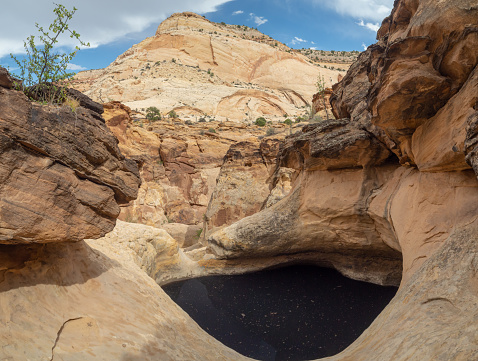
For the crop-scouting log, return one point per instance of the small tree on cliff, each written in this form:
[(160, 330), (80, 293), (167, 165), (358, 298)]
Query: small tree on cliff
[(153, 114), (44, 70), (321, 91)]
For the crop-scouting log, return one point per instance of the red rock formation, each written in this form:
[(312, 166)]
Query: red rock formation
[(406, 83), (242, 185), (62, 175)]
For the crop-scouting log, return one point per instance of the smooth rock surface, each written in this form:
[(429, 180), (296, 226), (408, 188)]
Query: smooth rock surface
[(80, 301), (242, 184), (432, 317)]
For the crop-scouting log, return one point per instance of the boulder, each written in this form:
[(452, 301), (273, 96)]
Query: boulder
[(62, 176), (6, 80), (332, 144)]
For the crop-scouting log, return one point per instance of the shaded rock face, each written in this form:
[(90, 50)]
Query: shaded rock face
[(191, 175), (242, 186), (414, 79), (178, 168), (62, 175)]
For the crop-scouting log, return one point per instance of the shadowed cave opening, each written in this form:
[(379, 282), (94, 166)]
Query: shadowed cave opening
[(299, 312)]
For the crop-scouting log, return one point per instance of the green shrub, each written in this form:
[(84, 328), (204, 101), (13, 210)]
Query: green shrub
[(211, 130), (42, 72), (188, 122), (153, 113), (198, 233), (172, 114), (261, 121), (202, 120), (288, 121)]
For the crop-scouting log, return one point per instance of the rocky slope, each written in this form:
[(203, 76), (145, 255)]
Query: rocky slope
[(197, 68)]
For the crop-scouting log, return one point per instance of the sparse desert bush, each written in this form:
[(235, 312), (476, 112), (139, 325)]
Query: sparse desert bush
[(188, 122), (172, 114), (288, 121), (315, 119), (261, 121), (211, 130), (321, 91), (202, 120), (270, 131), (43, 71)]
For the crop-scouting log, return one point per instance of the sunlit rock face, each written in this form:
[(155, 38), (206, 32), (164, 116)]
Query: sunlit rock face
[(416, 88), (198, 68)]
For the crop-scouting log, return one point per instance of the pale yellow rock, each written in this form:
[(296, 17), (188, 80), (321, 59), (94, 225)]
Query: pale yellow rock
[(91, 301), (198, 67), (423, 209), (434, 316), (324, 215), (361, 214)]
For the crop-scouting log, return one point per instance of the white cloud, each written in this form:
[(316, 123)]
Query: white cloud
[(98, 22), (259, 20), (297, 40), (373, 10), (75, 67), (364, 46), (370, 26), (312, 43), (238, 12), (313, 48)]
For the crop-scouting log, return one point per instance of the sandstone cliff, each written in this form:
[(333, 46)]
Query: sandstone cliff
[(62, 179), (350, 191), (198, 67), (394, 174), (182, 166), (62, 176)]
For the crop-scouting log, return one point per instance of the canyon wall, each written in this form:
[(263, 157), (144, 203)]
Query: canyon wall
[(386, 193), (63, 179), (394, 172)]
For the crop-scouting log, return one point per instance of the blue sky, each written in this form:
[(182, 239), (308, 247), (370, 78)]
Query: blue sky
[(114, 26)]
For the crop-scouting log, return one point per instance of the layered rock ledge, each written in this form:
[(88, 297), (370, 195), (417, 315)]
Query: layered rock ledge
[(62, 176)]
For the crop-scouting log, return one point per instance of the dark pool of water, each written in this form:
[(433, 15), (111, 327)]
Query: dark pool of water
[(292, 313)]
